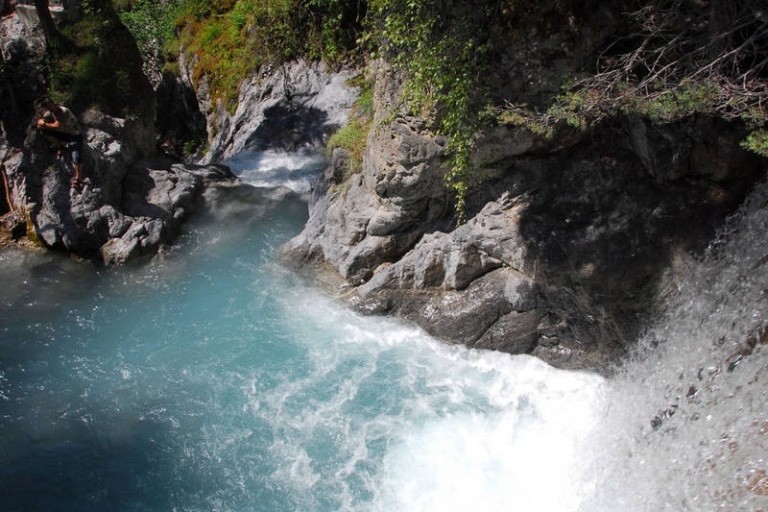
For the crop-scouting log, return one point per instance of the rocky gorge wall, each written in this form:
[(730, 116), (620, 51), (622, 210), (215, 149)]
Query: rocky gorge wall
[(139, 186), (571, 240), (290, 107), (568, 243)]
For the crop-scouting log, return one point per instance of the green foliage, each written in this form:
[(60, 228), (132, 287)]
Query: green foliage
[(580, 106), (198, 142), (98, 67), (685, 99), (353, 136), (152, 24), (537, 124), (231, 39), (97, 8), (674, 61), (442, 48), (572, 107), (757, 142), (753, 117)]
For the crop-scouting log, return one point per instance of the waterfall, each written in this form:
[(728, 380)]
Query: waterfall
[(686, 421)]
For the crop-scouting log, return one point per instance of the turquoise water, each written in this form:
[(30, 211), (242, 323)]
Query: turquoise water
[(214, 379)]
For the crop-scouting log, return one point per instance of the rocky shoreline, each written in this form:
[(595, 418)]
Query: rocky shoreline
[(134, 199), (131, 204)]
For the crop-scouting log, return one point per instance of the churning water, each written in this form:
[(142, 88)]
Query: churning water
[(216, 380), (701, 376)]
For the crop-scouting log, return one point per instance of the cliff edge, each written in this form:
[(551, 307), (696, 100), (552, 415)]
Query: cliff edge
[(571, 236)]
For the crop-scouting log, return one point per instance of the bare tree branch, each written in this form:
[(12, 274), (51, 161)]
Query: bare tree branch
[(720, 52)]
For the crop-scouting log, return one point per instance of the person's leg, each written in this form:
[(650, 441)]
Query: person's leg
[(78, 168), (54, 142), (77, 164)]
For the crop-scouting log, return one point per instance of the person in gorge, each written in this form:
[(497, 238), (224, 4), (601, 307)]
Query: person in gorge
[(62, 128)]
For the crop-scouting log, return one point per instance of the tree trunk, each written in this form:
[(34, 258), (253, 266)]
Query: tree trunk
[(53, 39)]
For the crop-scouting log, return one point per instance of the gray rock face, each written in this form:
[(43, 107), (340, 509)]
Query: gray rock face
[(133, 203), (568, 243), (296, 105), (129, 206), (378, 215), (468, 286)]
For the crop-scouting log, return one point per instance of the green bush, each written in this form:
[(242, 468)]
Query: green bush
[(673, 61), (442, 46), (757, 142), (232, 39), (152, 23), (95, 63), (353, 136)]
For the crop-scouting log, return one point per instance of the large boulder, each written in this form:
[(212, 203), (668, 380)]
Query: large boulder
[(131, 204)]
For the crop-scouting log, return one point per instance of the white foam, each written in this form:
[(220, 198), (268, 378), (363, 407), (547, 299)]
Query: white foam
[(273, 168), (460, 429), (521, 453), (686, 428)]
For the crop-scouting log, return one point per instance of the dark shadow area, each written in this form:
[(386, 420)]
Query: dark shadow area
[(180, 125), (291, 127), (5, 192), (48, 181), (62, 447), (137, 185), (86, 466), (21, 83), (601, 230)]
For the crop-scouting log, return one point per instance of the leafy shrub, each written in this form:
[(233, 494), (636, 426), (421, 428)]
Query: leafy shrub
[(152, 24), (757, 142), (676, 59), (230, 39), (95, 63), (353, 136), (442, 46)]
